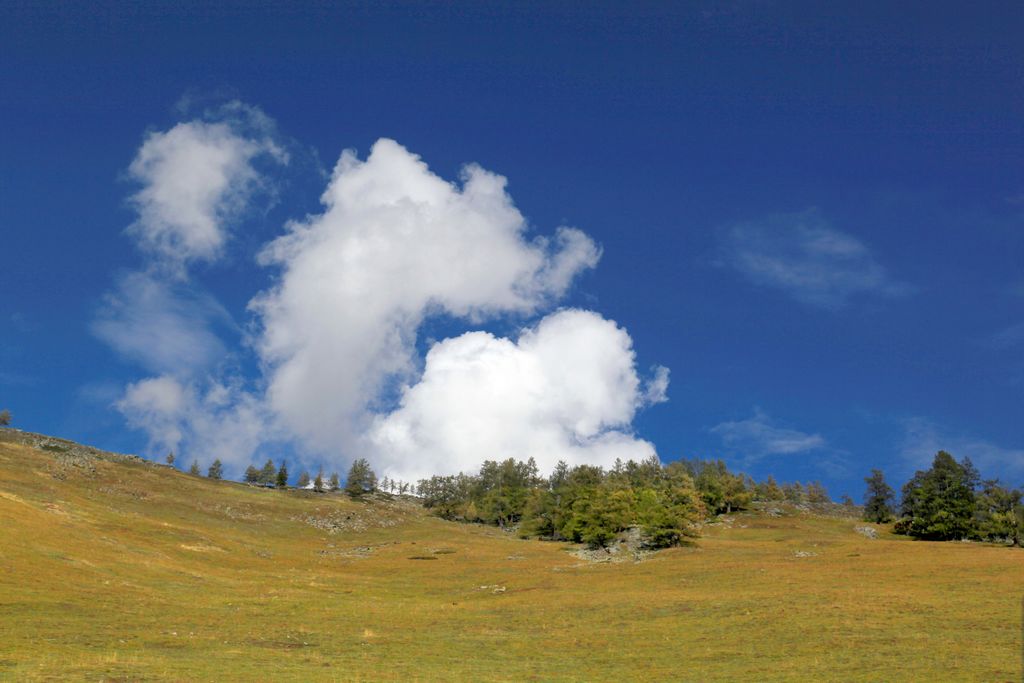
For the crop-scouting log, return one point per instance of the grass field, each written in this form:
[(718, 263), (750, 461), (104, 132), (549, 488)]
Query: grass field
[(132, 571)]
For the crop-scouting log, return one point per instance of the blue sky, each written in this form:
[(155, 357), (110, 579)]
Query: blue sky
[(813, 217)]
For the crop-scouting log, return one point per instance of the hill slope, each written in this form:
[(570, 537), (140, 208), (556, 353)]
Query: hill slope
[(113, 568)]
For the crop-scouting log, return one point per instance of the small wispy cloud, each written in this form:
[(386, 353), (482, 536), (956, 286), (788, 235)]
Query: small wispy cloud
[(656, 388), (922, 439), (759, 436), (803, 255), (196, 178), (1009, 337), (162, 326)]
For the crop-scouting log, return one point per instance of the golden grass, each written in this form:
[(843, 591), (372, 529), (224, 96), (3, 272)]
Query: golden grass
[(139, 573)]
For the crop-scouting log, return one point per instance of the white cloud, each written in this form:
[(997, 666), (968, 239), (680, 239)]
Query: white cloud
[(565, 390), (164, 327), (803, 255), (922, 439), (394, 244), (336, 334), (656, 390), (157, 406), (196, 178), (759, 436), (208, 420)]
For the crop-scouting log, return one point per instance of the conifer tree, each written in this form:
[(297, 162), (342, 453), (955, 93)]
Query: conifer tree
[(282, 476), (252, 475), (361, 479), (194, 469), (318, 483), (878, 499), (335, 482), (170, 459), (939, 503), (5, 417), (216, 470), (267, 475), (303, 480), (1000, 513)]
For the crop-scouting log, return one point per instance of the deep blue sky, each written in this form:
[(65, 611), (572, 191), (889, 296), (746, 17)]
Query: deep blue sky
[(676, 136)]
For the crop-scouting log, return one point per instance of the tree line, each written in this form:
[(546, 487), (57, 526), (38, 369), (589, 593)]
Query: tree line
[(949, 501), (361, 478), (588, 504)]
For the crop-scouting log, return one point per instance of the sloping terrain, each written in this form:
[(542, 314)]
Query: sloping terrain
[(113, 568)]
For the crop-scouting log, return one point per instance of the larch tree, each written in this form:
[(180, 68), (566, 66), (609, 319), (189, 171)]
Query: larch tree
[(216, 470), (878, 499), (361, 479)]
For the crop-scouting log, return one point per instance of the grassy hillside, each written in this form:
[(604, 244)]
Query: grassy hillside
[(112, 568)]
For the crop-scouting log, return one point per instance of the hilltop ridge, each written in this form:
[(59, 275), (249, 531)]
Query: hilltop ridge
[(115, 568)]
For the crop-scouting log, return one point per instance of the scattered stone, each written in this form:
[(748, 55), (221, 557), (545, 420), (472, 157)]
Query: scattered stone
[(867, 531), (804, 553), (628, 547)]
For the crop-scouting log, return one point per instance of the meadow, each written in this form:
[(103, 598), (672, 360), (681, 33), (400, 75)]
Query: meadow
[(118, 569)]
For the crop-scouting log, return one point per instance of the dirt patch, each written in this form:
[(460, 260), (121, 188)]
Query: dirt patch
[(201, 548)]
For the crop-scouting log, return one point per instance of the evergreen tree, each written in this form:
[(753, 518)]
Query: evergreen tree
[(939, 504), (194, 469), (318, 483), (361, 479), (596, 519), (282, 476), (5, 417), (721, 490), (816, 493), (770, 490), (335, 483), (999, 513), (668, 515), (794, 493), (303, 479), (170, 459), (268, 475), (216, 470), (878, 499), (252, 475)]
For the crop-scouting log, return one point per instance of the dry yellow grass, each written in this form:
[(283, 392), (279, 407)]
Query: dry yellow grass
[(135, 572)]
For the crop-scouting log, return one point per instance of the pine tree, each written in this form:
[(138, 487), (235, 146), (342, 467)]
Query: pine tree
[(816, 493), (252, 475), (361, 478), (194, 469), (878, 499), (335, 482), (318, 484), (216, 470), (939, 504), (267, 475), (770, 490), (303, 480), (282, 476), (999, 514), (5, 417), (170, 459)]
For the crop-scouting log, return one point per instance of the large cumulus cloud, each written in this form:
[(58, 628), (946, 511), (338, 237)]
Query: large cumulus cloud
[(336, 331), (565, 390), (394, 244)]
